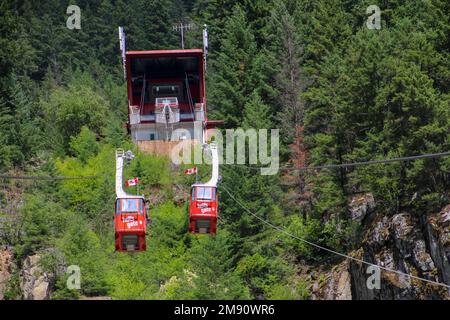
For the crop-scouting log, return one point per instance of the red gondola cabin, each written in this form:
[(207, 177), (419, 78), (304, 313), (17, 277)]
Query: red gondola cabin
[(203, 209), (130, 224)]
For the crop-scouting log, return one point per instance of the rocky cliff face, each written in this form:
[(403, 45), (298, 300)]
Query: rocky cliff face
[(334, 285), (35, 283), (437, 232), (418, 246)]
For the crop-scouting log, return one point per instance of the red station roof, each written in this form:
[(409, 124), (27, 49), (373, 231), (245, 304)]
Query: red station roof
[(164, 52)]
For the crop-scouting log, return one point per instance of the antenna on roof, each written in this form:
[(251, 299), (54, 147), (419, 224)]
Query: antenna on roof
[(181, 28)]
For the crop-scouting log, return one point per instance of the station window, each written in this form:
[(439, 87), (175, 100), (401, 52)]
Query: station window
[(166, 91)]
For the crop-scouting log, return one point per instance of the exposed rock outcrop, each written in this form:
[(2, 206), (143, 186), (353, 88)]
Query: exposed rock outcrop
[(412, 244), (35, 283), (437, 232), (335, 285), (399, 242), (361, 205)]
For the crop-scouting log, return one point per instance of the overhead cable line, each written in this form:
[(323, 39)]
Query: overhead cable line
[(4, 177), (355, 164), (282, 230)]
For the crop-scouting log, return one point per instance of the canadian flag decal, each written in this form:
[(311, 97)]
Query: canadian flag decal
[(132, 182), (190, 171)]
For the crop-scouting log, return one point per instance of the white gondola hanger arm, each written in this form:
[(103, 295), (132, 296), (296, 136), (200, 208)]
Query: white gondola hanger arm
[(120, 156), (215, 166)]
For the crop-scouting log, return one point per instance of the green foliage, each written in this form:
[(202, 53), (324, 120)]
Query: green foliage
[(297, 289), (151, 170), (42, 223), (379, 97), (89, 196), (257, 114), (61, 292), (82, 247), (68, 110), (20, 125), (233, 84), (308, 230), (84, 145), (12, 289), (169, 224), (261, 273), (211, 276)]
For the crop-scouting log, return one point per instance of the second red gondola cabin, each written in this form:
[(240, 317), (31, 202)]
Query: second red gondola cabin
[(130, 221), (203, 209)]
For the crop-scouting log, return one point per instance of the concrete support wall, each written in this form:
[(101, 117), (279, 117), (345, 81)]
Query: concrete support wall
[(160, 147)]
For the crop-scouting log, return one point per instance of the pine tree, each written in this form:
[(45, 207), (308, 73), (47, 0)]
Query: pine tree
[(256, 114), (285, 44), (231, 81)]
